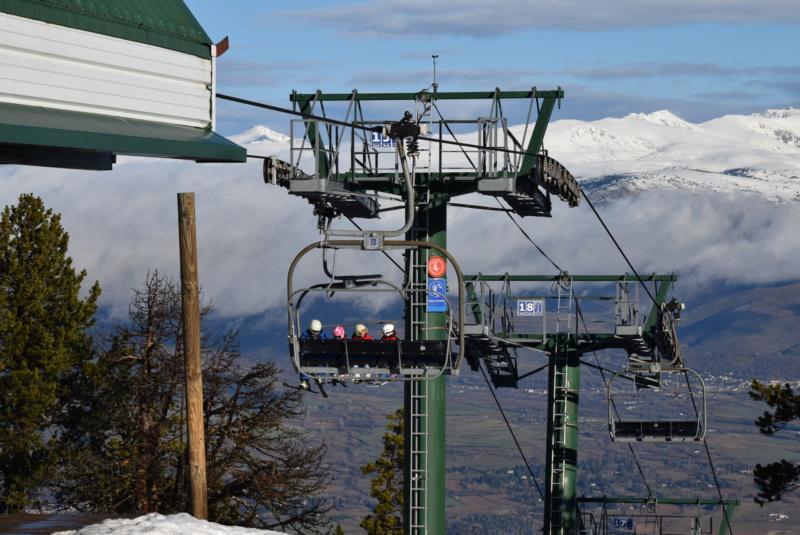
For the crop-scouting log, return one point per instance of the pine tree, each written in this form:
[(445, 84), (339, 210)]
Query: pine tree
[(777, 478), (126, 427), (387, 485), (43, 336)]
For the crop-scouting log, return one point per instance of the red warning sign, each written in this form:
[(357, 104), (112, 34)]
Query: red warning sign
[(436, 267)]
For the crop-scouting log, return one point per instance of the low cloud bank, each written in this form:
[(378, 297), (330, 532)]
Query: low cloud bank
[(124, 223)]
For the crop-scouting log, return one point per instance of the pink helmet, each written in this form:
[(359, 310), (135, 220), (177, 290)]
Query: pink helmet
[(338, 332)]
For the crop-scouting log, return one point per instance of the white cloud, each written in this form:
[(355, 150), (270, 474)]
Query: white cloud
[(703, 238), (123, 223)]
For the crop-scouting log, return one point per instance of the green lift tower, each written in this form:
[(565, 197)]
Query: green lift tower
[(421, 160)]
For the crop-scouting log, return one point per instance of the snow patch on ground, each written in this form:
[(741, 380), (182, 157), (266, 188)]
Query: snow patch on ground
[(156, 524)]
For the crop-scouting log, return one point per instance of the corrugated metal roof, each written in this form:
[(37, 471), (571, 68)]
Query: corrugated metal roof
[(164, 23)]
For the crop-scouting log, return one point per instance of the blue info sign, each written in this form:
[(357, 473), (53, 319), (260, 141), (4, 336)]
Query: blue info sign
[(530, 307), (379, 140), (437, 302), (623, 524)]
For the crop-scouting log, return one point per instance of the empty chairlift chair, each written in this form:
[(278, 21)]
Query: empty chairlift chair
[(672, 411)]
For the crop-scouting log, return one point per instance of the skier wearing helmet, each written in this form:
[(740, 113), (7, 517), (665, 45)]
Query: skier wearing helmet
[(314, 332), (338, 333), (388, 332), (360, 333)]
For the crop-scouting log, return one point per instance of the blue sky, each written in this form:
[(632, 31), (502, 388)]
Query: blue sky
[(700, 59)]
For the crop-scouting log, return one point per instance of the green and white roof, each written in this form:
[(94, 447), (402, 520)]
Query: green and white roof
[(83, 81)]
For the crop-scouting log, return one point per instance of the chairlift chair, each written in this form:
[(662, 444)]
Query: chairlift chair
[(685, 405), (349, 359)]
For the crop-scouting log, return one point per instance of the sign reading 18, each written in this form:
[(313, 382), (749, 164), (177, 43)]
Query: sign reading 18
[(533, 307)]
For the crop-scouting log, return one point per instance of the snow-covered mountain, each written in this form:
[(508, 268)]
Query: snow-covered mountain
[(615, 158), (735, 154), (257, 137)]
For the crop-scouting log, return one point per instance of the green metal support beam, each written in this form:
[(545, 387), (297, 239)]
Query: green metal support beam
[(661, 296), (667, 501), (561, 464), (576, 278), (312, 134), (537, 138), (456, 95), (472, 300)]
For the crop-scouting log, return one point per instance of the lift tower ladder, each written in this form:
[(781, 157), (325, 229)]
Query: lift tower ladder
[(561, 418), (418, 402), (418, 459)]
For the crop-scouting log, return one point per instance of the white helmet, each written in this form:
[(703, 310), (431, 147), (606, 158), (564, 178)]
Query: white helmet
[(360, 329), (388, 328), (315, 326)]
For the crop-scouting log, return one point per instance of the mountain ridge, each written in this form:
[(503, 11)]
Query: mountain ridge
[(736, 154), (616, 158), (258, 134)]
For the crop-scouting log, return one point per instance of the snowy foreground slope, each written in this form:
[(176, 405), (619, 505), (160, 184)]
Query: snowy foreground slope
[(156, 524), (613, 158)]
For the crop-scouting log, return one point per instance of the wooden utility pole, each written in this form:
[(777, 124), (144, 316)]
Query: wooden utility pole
[(193, 365)]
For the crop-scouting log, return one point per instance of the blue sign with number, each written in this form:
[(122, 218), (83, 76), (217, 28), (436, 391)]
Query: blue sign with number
[(530, 307), (437, 302), (379, 140), (623, 524)]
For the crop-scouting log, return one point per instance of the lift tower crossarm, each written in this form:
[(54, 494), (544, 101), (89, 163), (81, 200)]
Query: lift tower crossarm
[(484, 340), (729, 506), (549, 98), (578, 278), (664, 283), (454, 95)]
